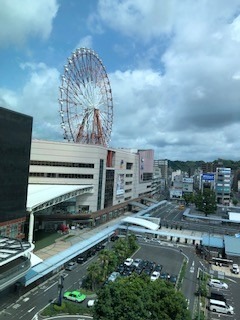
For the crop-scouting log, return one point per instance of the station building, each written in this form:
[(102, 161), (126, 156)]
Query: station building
[(86, 184)]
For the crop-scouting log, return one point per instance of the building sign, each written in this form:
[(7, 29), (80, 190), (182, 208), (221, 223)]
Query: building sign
[(208, 177), (120, 185)]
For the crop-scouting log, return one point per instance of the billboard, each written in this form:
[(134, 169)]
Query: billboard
[(120, 185), (208, 177)]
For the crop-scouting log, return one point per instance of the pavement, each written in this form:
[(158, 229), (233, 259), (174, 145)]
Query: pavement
[(75, 236)]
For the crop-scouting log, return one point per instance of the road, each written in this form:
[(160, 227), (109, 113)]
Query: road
[(169, 255), (172, 217), (28, 305)]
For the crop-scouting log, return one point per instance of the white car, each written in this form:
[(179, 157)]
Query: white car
[(113, 276), (128, 262), (235, 268), (155, 275), (136, 262), (91, 303), (217, 284)]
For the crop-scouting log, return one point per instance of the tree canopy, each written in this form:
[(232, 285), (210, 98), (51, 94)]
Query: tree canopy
[(206, 201), (138, 298)]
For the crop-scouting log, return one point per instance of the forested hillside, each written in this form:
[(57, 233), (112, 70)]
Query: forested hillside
[(190, 166)]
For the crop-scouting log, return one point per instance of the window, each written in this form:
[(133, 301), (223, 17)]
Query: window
[(61, 164)]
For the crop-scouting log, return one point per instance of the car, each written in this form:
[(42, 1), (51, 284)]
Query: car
[(91, 303), (127, 272), (235, 268), (128, 262), (158, 268), (217, 284), (217, 295), (164, 276), (81, 259), (113, 276), (173, 279), (71, 266), (155, 275), (75, 296), (147, 271), (114, 237), (138, 270), (137, 262)]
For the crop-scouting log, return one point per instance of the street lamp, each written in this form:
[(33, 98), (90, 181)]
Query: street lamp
[(60, 288)]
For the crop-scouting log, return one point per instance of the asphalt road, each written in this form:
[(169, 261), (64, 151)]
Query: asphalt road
[(32, 302)]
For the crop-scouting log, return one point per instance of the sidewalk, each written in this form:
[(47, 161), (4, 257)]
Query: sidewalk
[(74, 237)]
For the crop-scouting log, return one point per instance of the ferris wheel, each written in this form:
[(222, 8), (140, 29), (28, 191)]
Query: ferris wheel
[(86, 105)]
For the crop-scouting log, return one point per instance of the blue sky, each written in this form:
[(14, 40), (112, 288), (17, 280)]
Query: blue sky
[(173, 66)]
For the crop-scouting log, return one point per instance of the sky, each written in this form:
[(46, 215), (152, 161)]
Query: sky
[(173, 67)]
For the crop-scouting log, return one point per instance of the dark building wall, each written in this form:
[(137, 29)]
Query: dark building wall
[(15, 144)]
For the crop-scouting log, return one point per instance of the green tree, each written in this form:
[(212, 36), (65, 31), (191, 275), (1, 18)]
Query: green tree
[(132, 243), (108, 262), (188, 197), (235, 201), (206, 201), (94, 275), (121, 249), (138, 298)]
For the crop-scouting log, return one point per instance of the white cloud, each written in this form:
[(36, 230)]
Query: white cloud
[(137, 18), (85, 42), (20, 20), (38, 98)]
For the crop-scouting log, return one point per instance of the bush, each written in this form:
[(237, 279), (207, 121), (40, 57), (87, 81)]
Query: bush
[(67, 307)]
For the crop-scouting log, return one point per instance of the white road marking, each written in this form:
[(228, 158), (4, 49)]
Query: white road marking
[(51, 286), (26, 299), (30, 310)]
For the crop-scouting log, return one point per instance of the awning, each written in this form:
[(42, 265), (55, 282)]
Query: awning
[(41, 196)]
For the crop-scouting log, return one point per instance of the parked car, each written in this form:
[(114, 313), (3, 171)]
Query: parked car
[(113, 276), (114, 237), (71, 266), (91, 303), (128, 261), (217, 284), (220, 307), (155, 275), (81, 259), (120, 268), (158, 268), (235, 268), (75, 296), (173, 279), (137, 262), (217, 295)]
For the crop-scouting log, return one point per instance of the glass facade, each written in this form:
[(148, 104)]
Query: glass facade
[(15, 144)]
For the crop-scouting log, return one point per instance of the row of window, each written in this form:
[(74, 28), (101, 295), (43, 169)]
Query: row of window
[(61, 164), (61, 175)]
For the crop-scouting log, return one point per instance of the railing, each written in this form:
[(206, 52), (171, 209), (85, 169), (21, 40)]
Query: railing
[(13, 272)]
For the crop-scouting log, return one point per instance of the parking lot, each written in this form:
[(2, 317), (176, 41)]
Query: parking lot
[(170, 259), (232, 296)]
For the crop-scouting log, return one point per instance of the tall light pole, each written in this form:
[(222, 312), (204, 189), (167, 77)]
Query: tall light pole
[(60, 289)]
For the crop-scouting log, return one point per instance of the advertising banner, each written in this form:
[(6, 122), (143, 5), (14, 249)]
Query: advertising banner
[(120, 185)]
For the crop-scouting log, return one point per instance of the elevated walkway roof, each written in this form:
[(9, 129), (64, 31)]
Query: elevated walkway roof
[(41, 196), (141, 222), (138, 204), (150, 200)]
